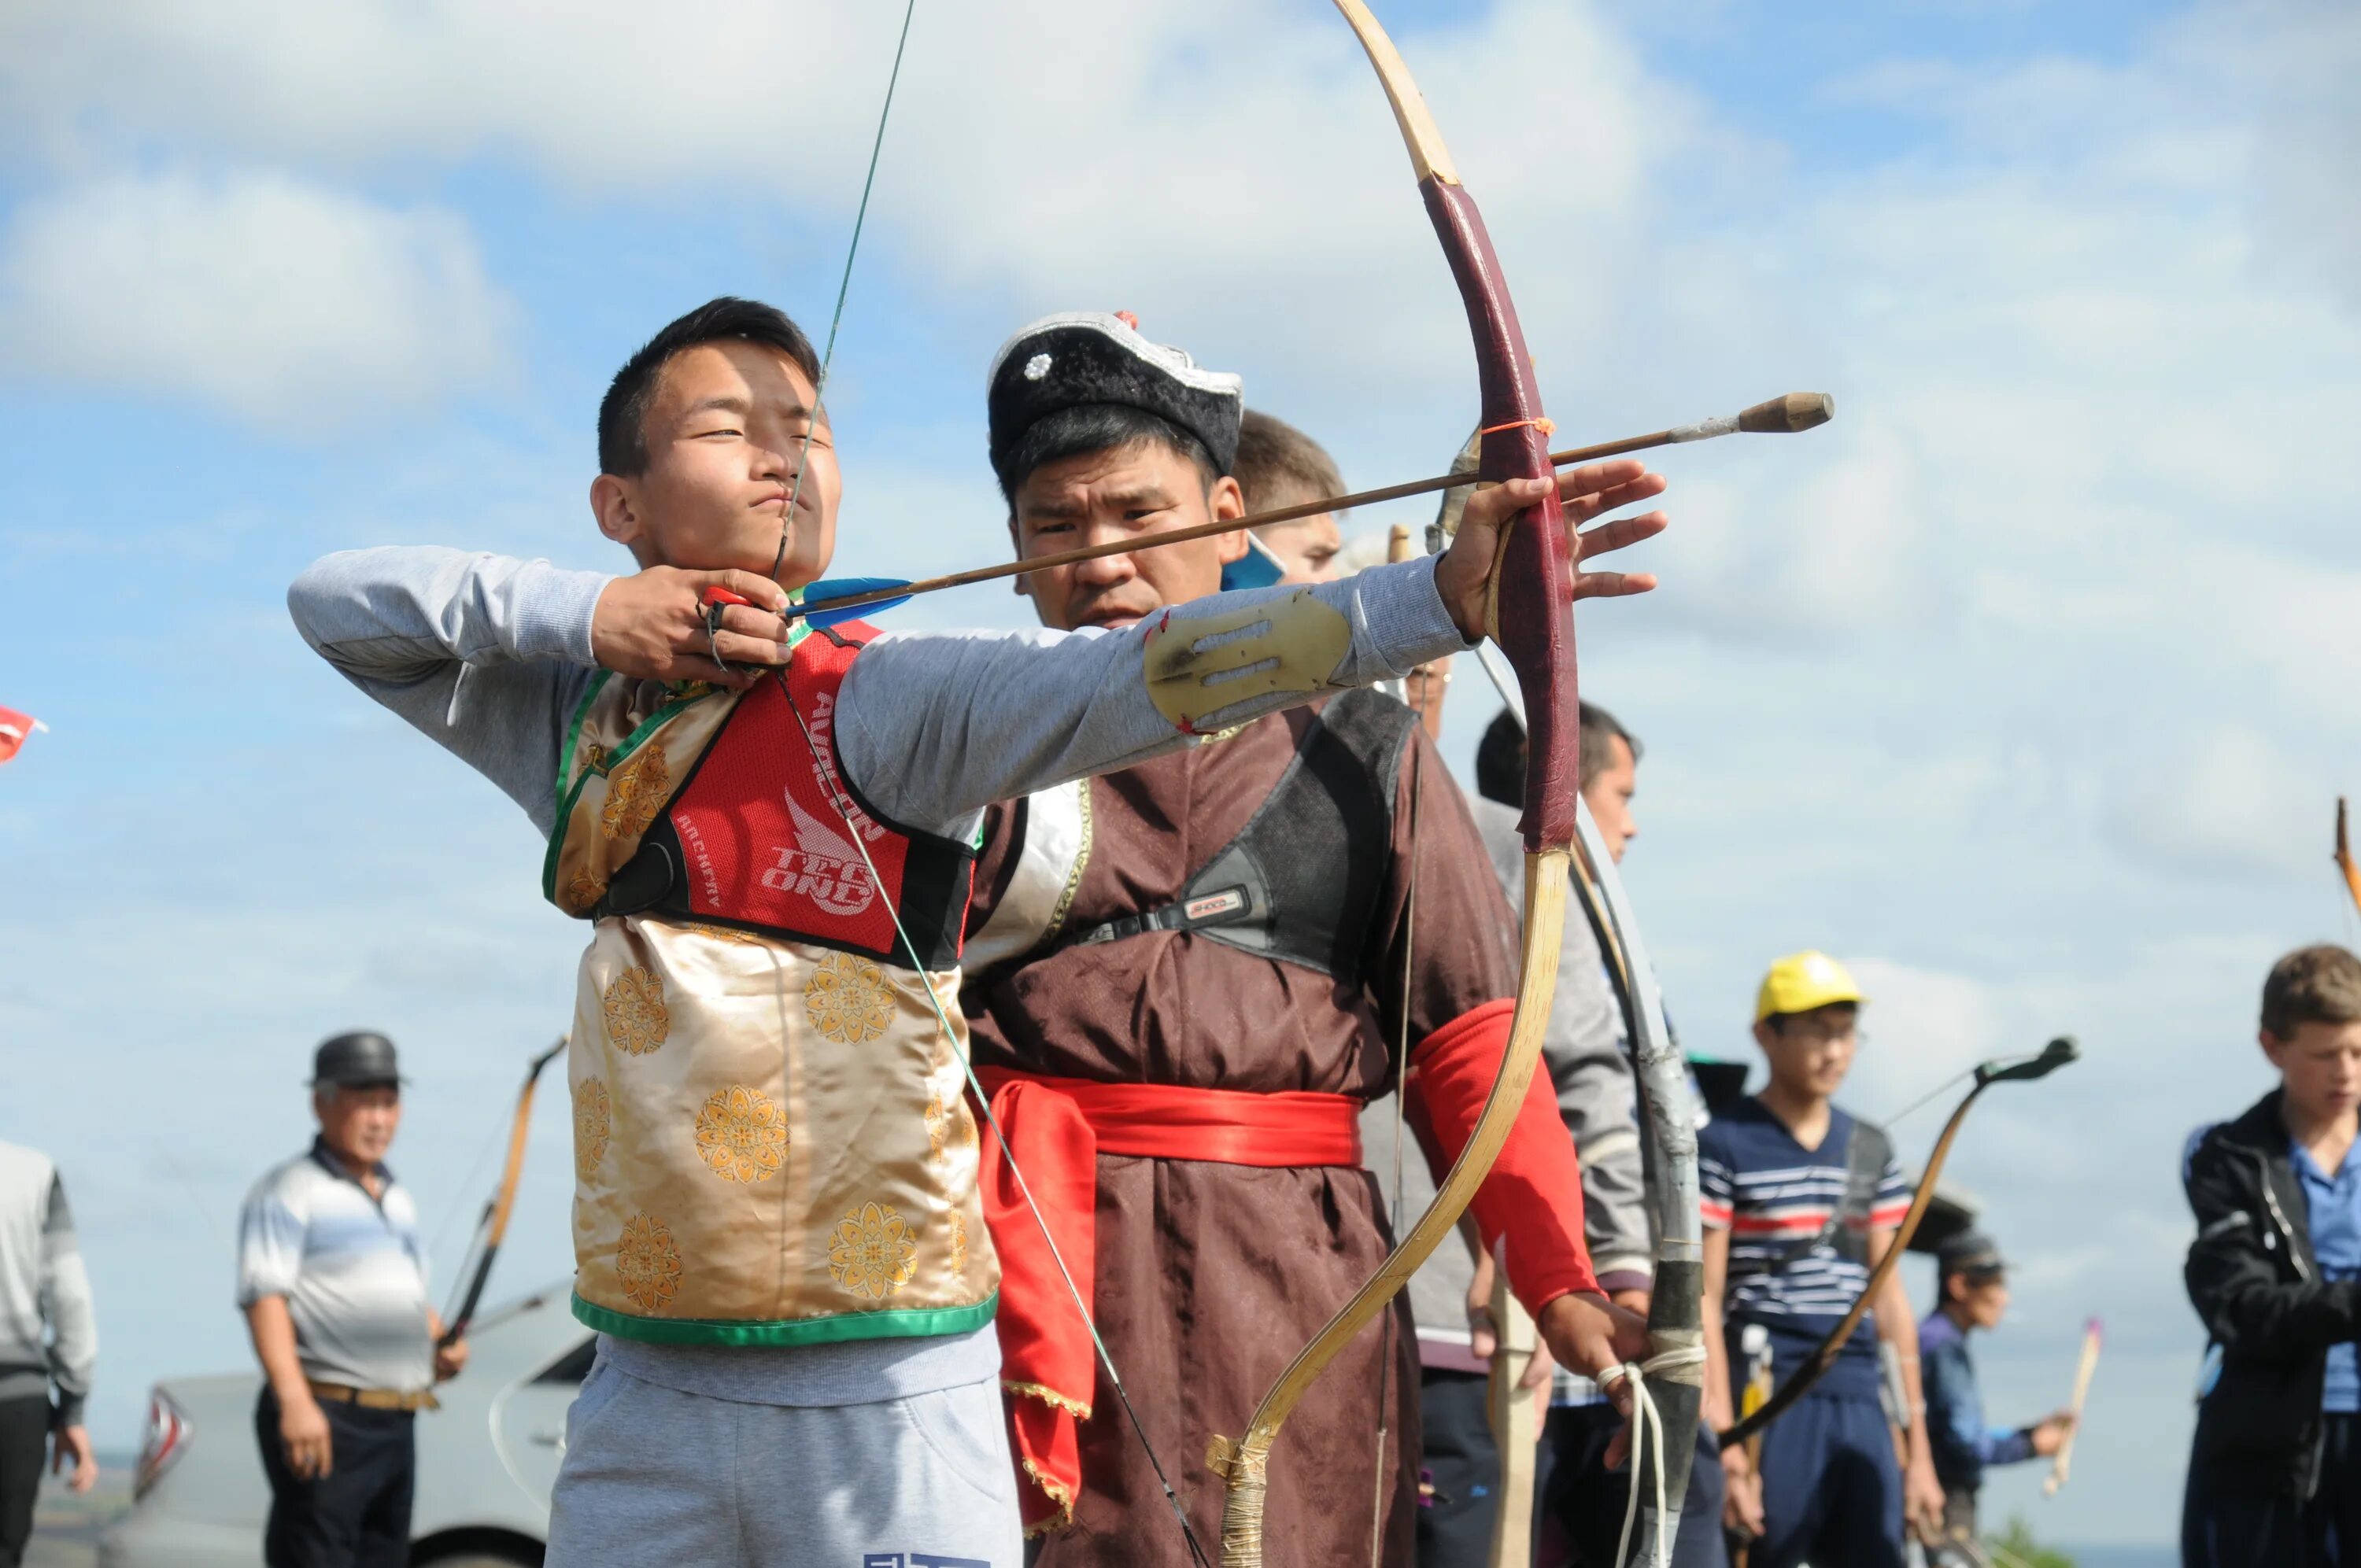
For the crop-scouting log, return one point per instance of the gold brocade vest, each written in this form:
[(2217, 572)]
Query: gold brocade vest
[(772, 1144)]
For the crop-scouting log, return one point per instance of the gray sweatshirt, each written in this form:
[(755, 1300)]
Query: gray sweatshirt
[(49, 1329), (489, 657)]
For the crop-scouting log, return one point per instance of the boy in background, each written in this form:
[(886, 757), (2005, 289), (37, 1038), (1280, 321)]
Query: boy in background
[(2275, 1469), (1973, 1282), (1800, 1202)]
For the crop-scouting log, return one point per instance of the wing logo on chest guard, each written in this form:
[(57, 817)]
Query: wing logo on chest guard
[(822, 865)]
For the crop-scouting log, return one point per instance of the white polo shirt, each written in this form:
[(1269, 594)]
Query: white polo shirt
[(351, 1267)]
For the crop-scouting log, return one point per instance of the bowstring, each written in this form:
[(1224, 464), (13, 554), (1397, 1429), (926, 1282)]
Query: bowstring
[(844, 288), (984, 1102)]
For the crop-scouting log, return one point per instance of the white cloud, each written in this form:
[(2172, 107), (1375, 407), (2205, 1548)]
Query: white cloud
[(287, 303)]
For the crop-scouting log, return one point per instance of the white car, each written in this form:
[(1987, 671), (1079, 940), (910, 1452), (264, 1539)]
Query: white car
[(487, 1460)]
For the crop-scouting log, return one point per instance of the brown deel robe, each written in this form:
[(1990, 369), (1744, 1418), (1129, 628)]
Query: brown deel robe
[(1210, 1277)]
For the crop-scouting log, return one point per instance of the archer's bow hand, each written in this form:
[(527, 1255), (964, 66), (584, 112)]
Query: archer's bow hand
[(1589, 1333), (652, 626), (450, 1360), (1587, 492)]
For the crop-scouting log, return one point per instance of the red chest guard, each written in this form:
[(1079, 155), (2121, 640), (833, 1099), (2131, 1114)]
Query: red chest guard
[(756, 838)]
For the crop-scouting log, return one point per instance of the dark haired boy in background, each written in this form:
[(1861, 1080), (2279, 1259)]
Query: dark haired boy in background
[(777, 1223), (2275, 1467)]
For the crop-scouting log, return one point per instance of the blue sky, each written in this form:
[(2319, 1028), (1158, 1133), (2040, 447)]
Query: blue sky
[(2025, 685)]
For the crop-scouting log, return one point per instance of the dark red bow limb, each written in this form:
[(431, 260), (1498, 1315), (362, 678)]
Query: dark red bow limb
[(1535, 624)]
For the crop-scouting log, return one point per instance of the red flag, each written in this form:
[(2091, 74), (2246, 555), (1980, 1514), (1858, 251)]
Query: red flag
[(14, 728)]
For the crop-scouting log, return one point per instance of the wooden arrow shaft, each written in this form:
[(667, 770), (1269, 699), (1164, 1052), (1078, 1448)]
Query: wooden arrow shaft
[(1796, 411)]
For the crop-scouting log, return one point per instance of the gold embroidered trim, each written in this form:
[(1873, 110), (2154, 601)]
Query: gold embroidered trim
[(848, 999), (1073, 1407), (637, 1019), (590, 1126), (1074, 876), (873, 1252), (1056, 1494), (636, 792), (647, 1264)]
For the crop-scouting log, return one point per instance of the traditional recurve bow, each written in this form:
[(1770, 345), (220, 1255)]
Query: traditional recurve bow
[(2002, 1069), (493, 1228), (1531, 619)]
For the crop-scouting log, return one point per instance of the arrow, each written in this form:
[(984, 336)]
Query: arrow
[(1779, 416)]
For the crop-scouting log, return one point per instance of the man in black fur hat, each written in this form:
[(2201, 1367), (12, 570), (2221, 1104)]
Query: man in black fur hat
[(1186, 979)]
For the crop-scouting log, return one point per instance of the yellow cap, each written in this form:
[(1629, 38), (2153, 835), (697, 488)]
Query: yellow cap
[(1801, 982)]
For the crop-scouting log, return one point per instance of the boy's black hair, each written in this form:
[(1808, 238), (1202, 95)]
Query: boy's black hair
[(1097, 427), (1500, 755), (624, 411), (1501, 761)]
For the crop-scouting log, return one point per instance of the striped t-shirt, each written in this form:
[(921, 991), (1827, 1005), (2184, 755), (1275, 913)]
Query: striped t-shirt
[(351, 1267), (1771, 1193)]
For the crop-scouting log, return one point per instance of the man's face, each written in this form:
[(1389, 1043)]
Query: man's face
[(1810, 1053), (1124, 492), (1306, 547), (724, 431), (1608, 793), (357, 1120), (2321, 1066)]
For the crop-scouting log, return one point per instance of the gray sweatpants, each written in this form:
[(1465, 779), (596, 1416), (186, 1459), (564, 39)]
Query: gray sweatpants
[(652, 1475)]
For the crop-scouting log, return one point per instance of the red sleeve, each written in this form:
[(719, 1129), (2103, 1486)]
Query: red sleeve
[(1533, 1194)]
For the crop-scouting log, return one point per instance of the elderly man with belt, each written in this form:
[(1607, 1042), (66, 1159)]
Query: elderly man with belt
[(332, 1278)]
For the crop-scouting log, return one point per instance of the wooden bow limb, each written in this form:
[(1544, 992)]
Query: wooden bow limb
[(2053, 1056), (2083, 1371), (1533, 618), (494, 1227), (1516, 1423), (1794, 412), (2345, 857)]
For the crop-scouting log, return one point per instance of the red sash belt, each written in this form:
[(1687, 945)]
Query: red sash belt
[(1056, 1128)]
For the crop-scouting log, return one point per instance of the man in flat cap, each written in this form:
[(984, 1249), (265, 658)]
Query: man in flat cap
[(1185, 980), (332, 1278), (1972, 1279)]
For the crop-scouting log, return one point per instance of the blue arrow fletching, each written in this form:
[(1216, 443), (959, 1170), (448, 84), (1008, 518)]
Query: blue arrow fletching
[(818, 594)]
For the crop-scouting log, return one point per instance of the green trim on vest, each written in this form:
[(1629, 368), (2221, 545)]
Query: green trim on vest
[(919, 1323), (649, 726), (614, 759)]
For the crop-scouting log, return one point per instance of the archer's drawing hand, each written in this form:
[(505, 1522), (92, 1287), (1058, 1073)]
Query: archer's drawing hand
[(1587, 492), (651, 626)]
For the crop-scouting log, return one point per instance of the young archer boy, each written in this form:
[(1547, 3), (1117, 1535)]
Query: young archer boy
[(1800, 1203), (776, 1220)]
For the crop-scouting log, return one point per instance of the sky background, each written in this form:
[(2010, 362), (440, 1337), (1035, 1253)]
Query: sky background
[(2025, 686)]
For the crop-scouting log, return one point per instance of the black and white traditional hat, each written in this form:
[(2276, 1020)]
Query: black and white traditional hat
[(1084, 357)]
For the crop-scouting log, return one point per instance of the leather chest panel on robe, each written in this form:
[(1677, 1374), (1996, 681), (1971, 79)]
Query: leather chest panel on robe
[(756, 838), (1303, 880)]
